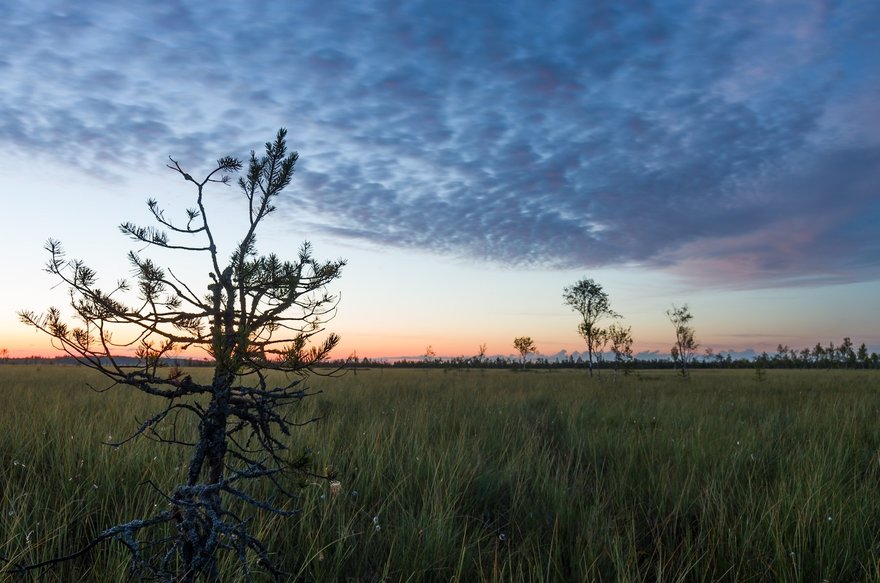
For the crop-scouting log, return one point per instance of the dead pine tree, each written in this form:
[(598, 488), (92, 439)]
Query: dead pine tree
[(261, 321)]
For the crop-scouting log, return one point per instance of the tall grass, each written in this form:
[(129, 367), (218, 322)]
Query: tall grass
[(493, 476)]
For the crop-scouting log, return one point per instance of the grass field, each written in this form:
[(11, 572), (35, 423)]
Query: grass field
[(492, 475)]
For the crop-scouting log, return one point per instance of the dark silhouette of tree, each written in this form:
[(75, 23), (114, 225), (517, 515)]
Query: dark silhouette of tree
[(587, 298), (847, 353), (818, 354), (480, 358), (804, 356), (862, 355), (781, 357), (525, 346), (259, 322), (351, 363), (685, 345), (831, 355)]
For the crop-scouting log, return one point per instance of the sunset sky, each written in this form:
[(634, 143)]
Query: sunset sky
[(471, 159)]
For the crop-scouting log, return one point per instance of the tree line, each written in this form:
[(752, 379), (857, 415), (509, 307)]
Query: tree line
[(844, 355), (606, 362), (610, 347)]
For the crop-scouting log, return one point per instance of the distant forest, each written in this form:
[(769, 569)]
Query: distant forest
[(843, 356)]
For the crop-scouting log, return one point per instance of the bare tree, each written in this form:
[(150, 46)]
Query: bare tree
[(481, 355), (258, 321), (525, 346), (685, 345), (352, 362), (587, 298)]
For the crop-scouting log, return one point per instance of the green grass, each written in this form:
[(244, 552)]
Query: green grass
[(493, 475)]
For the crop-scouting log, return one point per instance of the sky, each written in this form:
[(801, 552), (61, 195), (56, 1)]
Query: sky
[(471, 159)]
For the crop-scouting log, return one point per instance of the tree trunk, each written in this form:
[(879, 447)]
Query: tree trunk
[(196, 524)]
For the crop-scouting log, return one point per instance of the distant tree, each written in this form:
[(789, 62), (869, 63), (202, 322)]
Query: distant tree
[(685, 344), (863, 355), (525, 346), (804, 357), (481, 354), (818, 354), (781, 357), (621, 345), (760, 366), (590, 301), (258, 320), (831, 355), (352, 362), (847, 354)]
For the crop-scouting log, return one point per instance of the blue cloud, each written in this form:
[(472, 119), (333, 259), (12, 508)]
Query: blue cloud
[(723, 141)]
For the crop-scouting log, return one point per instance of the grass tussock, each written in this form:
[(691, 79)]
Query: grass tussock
[(492, 476)]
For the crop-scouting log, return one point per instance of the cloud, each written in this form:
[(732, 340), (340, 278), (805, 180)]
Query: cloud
[(815, 226), (725, 142)]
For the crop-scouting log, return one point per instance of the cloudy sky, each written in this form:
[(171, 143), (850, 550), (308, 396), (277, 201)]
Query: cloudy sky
[(470, 159)]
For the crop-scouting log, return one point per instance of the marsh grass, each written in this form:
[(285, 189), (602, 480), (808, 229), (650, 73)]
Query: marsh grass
[(493, 476)]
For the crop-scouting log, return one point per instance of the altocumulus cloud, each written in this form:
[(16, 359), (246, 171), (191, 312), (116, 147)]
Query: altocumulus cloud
[(735, 143)]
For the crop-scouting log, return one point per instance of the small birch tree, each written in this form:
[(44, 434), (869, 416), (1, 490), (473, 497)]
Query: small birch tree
[(525, 346), (621, 346), (590, 301), (685, 344)]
